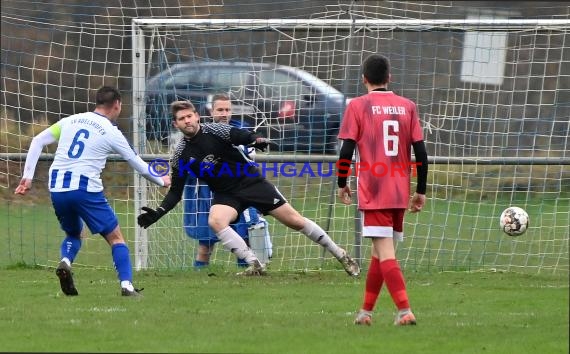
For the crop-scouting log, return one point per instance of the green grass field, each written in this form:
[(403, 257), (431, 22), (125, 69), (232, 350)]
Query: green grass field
[(473, 289), (217, 312), (447, 235)]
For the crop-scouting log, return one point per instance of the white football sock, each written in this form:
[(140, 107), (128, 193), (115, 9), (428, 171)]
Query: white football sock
[(235, 244), (125, 284), (318, 235)]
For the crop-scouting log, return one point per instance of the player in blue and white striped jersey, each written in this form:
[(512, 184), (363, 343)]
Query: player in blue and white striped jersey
[(84, 141)]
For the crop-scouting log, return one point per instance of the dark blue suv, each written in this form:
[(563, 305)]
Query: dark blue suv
[(290, 106)]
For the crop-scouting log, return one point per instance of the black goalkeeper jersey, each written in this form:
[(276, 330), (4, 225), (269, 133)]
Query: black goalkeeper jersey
[(213, 155)]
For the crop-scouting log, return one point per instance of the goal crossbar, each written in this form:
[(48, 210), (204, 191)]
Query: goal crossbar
[(389, 24)]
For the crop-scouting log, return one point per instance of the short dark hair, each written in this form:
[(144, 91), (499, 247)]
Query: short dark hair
[(106, 96), (179, 106), (220, 97), (376, 69)]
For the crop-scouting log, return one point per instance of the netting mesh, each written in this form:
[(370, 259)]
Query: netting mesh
[(495, 94)]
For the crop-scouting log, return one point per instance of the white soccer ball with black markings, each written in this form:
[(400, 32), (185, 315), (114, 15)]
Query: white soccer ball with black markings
[(514, 221)]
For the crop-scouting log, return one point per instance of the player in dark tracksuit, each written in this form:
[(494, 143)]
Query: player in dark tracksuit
[(211, 153), (197, 201)]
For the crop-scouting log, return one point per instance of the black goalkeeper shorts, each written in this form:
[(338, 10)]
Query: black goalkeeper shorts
[(261, 195)]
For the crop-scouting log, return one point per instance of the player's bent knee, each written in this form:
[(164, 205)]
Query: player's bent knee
[(114, 237), (217, 224)]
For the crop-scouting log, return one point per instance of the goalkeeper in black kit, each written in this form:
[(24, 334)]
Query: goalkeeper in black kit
[(210, 152)]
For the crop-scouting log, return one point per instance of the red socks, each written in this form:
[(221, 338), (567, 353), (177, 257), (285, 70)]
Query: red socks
[(395, 283), (389, 272), (374, 280)]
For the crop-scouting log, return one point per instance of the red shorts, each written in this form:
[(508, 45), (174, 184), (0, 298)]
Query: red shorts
[(383, 223)]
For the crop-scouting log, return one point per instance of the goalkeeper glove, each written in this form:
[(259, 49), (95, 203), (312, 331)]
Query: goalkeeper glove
[(150, 217), (263, 143)]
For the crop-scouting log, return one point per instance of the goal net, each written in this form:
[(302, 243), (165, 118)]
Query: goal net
[(491, 83), (493, 98)]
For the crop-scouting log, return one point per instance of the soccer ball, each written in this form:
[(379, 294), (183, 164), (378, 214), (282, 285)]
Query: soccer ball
[(514, 221)]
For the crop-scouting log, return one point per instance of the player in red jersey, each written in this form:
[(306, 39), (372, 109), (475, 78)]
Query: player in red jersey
[(383, 127)]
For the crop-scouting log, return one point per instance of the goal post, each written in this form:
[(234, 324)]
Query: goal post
[(492, 99), (139, 140)]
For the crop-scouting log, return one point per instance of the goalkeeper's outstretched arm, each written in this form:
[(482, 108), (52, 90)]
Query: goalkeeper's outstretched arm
[(174, 195), (238, 136), (245, 137)]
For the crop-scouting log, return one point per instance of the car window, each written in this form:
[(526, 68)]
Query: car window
[(208, 79), (228, 77), (318, 84), (232, 80), (187, 79), (278, 85)]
